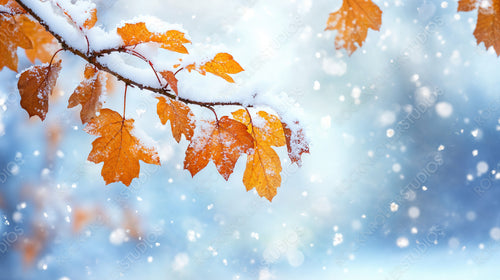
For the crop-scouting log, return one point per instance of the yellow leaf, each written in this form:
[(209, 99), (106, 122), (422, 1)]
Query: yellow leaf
[(117, 147), (263, 165)]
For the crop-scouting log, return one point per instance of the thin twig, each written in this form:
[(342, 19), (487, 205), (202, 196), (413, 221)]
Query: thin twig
[(93, 59)]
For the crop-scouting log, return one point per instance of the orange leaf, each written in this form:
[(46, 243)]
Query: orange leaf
[(263, 165), (296, 143), (171, 80), (488, 22), (13, 6), (352, 22), (221, 65), (117, 147), (35, 84), (43, 42), (221, 142), (92, 20), (91, 17), (87, 94), (180, 116), (11, 37), (466, 5), (137, 33)]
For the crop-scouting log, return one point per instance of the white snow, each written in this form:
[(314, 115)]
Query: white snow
[(338, 238), (495, 233), (482, 168), (402, 242), (413, 212), (444, 109)]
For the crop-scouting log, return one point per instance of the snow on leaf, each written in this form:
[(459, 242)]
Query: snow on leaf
[(137, 33), (43, 42), (221, 65), (222, 142), (171, 80), (488, 22), (296, 143), (82, 14), (13, 6), (92, 20), (88, 94), (263, 165), (11, 37), (352, 22), (117, 147), (180, 116), (35, 84)]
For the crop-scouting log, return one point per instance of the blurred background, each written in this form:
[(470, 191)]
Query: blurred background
[(401, 181)]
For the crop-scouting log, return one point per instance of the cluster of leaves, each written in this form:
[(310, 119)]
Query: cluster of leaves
[(355, 17), (222, 140)]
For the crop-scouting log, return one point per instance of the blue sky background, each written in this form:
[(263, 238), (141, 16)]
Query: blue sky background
[(411, 118)]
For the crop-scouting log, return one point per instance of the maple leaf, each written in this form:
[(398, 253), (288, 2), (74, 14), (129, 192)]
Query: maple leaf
[(222, 142), (263, 167), (488, 22), (137, 33), (221, 65), (296, 143), (43, 43), (117, 147), (35, 85), (88, 93), (180, 116), (171, 80), (11, 37), (352, 22)]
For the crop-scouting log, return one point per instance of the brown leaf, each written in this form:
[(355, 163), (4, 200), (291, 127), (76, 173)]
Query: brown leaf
[(88, 94), (488, 22), (11, 37), (352, 22), (467, 5), (179, 115), (296, 143), (222, 142), (13, 6), (35, 85), (137, 33), (171, 80), (117, 147), (263, 165), (43, 43), (221, 65)]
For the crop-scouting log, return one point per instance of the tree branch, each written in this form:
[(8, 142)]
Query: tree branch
[(92, 58)]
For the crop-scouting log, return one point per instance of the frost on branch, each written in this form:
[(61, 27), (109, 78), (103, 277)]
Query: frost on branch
[(222, 140)]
